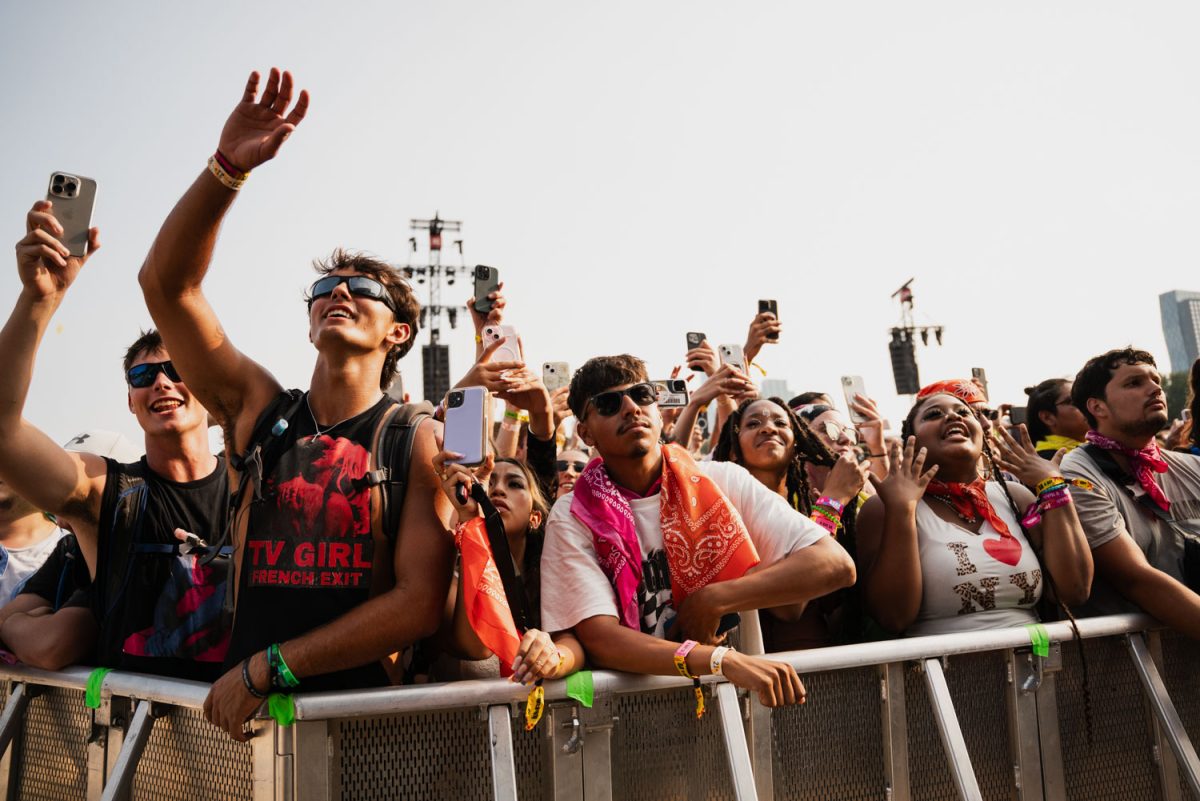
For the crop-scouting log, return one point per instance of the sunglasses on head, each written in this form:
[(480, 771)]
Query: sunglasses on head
[(563, 464), (142, 375), (835, 431), (359, 285), (608, 403)]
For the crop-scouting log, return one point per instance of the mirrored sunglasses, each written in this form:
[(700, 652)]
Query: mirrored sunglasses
[(359, 286), (142, 375)]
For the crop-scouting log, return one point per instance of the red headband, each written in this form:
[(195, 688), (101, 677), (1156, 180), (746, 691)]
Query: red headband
[(964, 389)]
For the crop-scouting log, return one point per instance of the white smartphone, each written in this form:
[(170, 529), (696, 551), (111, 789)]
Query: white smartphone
[(853, 385), (468, 423), (510, 351), (74, 199), (732, 354), (672, 393), (556, 375)]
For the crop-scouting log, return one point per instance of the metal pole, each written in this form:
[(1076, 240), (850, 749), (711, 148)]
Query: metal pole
[(1164, 711), (504, 767), (14, 713), (120, 781), (895, 731), (736, 750), (952, 738)]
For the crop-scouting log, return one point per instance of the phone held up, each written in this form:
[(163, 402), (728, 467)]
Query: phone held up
[(694, 340), (556, 375), (733, 355), (853, 385), (468, 424), (487, 281), (773, 307), (510, 349), (672, 393), (980, 376), (74, 198)]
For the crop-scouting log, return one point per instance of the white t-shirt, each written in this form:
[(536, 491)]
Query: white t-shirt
[(574, 587), (18, 564), (965, 588)]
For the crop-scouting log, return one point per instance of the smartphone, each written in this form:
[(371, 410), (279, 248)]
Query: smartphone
[(510, 351), (74, 198), (1018, 415), (694, 340), (556, 375), (732, 354), (853, 385), (672, 393), (487, 281), (772, 307), (980, 376), (467, 423)]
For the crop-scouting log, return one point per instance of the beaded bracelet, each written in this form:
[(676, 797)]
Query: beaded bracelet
[(681, 666), (248, 682)]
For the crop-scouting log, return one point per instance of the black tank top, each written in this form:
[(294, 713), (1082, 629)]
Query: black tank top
[(310, 555)]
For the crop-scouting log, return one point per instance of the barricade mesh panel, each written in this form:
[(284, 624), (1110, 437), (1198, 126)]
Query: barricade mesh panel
[(189, 759), (977, 683), (437, 755), (831, 748), (1181, 673), (53, 762), (527, 753), (660, 751), (1119, 764)]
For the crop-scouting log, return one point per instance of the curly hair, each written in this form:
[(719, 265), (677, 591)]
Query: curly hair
[(1092, 380)]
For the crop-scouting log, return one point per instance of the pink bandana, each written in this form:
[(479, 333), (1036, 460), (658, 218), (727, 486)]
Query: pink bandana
[(1145, 463)]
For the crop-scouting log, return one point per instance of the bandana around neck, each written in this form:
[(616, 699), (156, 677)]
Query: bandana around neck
[(703, 535), (1144, 462), (971, 501)]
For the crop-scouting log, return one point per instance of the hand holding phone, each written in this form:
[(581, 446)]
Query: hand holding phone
[(732, 355), (773, 307), (74, 199), (468, 424), (487, 281), (556, 375), (853, 385), (510, 350)]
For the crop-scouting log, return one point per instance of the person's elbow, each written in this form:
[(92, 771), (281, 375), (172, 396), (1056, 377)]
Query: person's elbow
[(845, 574)]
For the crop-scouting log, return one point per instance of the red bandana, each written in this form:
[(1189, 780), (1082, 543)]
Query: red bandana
[(1145, 463), (971, 501), (965, 389)]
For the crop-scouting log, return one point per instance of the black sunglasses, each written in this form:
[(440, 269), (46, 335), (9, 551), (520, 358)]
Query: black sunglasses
[(608, 403), (142, 375), (359, 285), (563, 464)]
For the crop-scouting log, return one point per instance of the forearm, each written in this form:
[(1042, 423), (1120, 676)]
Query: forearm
[(180, 255), (682, 432), (507, 439), (1167, 600), (25, 602), (615, 647), (50, 642), (574, 658), (892, 582), (800, 577), (19, 342), (1066, 554)]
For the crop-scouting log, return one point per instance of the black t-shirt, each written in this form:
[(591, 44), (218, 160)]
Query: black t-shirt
[(162, 611), (310, 555), (62, 580)]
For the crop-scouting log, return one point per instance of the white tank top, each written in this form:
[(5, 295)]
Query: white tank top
[(964, 586)]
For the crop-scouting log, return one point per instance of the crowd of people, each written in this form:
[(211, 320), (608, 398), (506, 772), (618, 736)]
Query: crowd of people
[(339, 544)]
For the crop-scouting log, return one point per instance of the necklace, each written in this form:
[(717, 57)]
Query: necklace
[(317, 425), (970, 519)]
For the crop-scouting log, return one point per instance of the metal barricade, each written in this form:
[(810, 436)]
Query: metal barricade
[(966, 716)]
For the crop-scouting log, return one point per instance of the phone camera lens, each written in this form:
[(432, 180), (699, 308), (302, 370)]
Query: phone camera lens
[(71, 187), (455, 400)]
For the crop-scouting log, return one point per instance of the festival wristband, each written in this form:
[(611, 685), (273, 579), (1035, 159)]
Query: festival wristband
[(714, 661), (836, 506), (681, 666), (1047, 483), (248, 682), (228, 166), (282, 675), (229, 181), (511, 414), (1053, 499), (823, 521)]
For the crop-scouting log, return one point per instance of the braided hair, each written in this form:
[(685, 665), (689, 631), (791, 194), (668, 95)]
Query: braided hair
[(997, 475)]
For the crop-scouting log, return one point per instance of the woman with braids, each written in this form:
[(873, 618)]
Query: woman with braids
[(765, 437), (1054, 422), (941, 550)]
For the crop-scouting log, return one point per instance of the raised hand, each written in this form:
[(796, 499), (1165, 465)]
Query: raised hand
[(490, 374), (1018, 456), (451, 475), (908, 479), (495, 316), (704, 357), (727, 380), (764, 328), (846, 478), (46, 267), (257, 129)]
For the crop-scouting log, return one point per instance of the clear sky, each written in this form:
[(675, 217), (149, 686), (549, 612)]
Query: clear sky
[(636, 170)]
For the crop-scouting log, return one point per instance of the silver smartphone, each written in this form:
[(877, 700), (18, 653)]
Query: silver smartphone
[(556, 375), (672, 393), (74, 199), (468, 423), (732, 354), (853, 385)]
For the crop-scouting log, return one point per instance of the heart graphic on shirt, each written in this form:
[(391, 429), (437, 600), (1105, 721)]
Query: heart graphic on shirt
[(1004, 549)]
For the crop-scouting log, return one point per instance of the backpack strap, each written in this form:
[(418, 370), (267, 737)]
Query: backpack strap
[(390, 460), (128, 514)]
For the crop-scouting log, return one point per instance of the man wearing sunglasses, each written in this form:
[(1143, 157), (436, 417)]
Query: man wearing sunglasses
[(126, 516), (323, 593), (648, 523)]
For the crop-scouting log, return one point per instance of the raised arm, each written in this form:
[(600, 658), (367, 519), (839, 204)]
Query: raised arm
[(229, 384), (37, 468)]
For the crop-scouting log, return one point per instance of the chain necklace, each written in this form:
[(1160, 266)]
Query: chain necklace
[(317, 426), (969, 519)]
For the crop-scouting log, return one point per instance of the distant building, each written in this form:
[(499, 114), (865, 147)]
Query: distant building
[(1181, 327), (778, 387)]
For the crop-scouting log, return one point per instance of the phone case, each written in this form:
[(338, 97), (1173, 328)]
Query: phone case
[(510, 351), (487, 281), (772, 307), (556, 375), (74, 199), (672, 393), (732, 354), (467, 423), (853, 385)]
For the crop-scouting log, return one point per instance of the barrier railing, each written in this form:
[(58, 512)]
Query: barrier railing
[(968, 716)]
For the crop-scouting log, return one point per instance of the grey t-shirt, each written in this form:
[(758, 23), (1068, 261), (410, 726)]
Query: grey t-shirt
[(1111, 510)]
